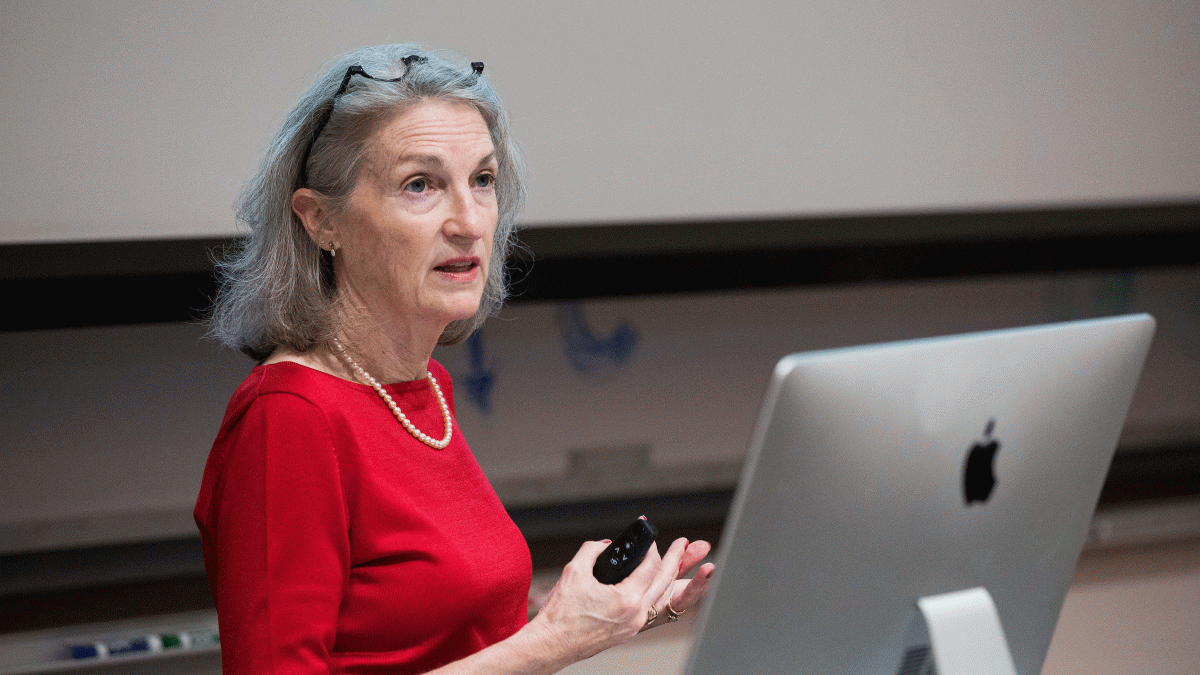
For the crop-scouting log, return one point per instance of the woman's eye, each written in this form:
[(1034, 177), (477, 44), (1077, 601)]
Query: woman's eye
[(484, 180), (417, 185)]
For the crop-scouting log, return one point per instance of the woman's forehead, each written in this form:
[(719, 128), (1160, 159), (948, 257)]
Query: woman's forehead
[(433, 132)]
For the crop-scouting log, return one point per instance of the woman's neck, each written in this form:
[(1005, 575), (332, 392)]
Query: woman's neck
[(390, 351), (393, 350), (387, 360)]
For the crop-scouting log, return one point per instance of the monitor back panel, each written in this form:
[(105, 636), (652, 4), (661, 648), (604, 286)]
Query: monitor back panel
[(852, 503)]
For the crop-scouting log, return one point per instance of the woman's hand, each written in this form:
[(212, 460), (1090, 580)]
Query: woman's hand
[(582, 616)]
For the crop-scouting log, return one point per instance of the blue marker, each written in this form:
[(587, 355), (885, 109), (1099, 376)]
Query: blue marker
[(124, 647), (95, 650)]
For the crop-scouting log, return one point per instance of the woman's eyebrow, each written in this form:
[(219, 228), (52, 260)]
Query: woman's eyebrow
[(490, 158), (435, 161), (423, 160)]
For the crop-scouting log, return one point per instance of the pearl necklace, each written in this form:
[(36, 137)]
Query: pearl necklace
[(387, 398)]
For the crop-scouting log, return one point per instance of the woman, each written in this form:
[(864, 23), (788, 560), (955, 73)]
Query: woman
[(346, 526)]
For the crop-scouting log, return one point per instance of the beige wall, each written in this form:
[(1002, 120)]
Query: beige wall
[(139, 118)]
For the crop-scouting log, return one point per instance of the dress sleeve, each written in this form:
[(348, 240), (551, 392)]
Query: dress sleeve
[(281, 541)]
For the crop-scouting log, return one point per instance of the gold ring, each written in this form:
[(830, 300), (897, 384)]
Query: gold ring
[(651, 615), (672, 613)]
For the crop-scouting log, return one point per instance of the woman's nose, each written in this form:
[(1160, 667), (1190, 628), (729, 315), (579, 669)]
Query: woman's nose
[(468, 218)]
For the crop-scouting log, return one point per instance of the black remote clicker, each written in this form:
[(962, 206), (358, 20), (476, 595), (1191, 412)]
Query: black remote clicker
[(625, 553)]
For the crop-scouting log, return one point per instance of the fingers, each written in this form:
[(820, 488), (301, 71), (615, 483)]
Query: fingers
[(693, 590), (661, 578), (590, 551), (671, 563), (696, 551), (645, 571)]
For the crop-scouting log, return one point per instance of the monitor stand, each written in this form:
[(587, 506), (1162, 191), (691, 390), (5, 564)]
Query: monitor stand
[(965, 635)]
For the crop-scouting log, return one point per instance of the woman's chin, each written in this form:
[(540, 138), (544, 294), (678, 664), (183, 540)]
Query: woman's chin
[(461, 309)]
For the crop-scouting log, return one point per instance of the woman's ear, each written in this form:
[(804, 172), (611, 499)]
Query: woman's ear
[(310, 209)]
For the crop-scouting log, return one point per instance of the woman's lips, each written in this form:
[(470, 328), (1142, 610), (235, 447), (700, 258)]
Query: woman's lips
[(459, 269)]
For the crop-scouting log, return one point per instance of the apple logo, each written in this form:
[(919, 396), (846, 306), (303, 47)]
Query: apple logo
[(979, 478)]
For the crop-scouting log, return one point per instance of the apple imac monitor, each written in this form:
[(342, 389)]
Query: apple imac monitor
[(882, 480)]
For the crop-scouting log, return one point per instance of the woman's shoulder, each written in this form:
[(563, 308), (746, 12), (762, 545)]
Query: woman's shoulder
[(270, 400), (292, 377), (287, 385)]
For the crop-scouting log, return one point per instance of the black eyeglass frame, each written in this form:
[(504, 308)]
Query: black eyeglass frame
[(476, 67)]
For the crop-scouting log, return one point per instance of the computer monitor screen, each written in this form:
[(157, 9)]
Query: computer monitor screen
[(883, 474)]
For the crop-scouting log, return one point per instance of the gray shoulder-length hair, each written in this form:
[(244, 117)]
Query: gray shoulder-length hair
[(277, 287)]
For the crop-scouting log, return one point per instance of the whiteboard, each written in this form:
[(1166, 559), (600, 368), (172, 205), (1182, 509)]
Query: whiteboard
[(139, 119)]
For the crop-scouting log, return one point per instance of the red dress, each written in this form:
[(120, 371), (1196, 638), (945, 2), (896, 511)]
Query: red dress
[(335, 542)]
